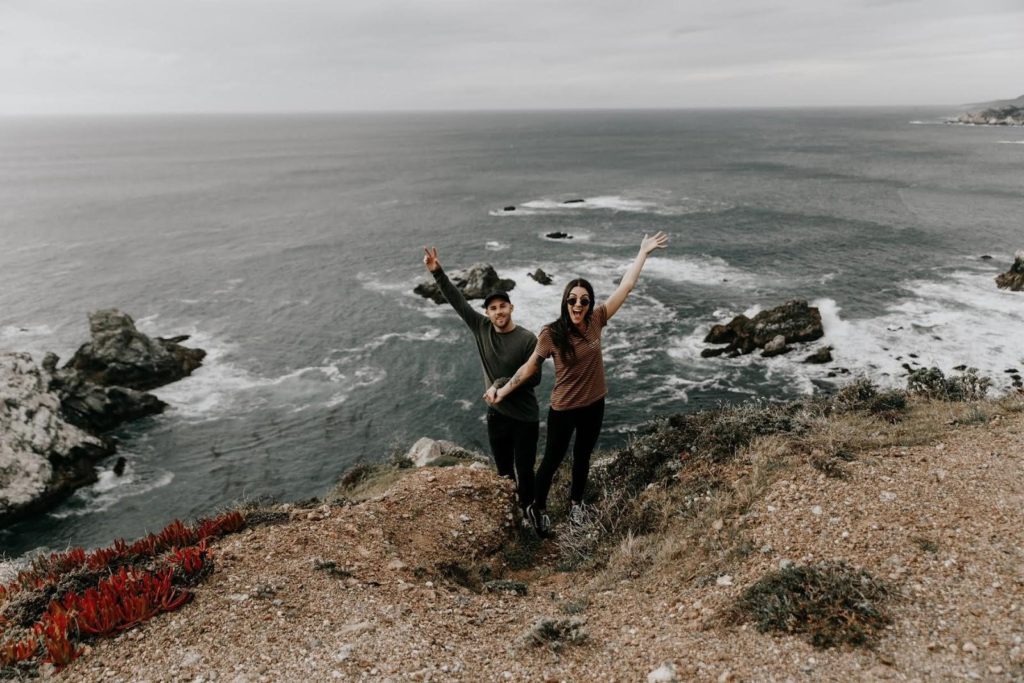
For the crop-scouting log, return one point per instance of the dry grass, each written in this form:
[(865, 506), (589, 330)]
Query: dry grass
[(690, 524)]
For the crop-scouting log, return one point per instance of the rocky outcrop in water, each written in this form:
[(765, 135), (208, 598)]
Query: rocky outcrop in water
[(119, 355), (43, 457), (1013, 279), (794, 321), (97, 408), (476, 282), (51, 420), (820, 357), (540, 277)]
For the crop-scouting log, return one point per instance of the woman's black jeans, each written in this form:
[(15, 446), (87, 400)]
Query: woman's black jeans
[(586, 423)]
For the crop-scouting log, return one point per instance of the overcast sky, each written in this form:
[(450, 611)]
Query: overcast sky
[(71, 56)]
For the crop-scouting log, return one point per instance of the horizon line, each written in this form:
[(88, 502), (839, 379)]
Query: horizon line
[(515, 110)]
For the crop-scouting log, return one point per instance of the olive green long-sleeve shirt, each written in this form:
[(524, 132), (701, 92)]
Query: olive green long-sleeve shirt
[(501, 354)]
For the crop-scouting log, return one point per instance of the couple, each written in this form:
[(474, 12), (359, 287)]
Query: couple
[(577, 399)]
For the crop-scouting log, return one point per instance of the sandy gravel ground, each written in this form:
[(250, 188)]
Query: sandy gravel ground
[(944, 522)]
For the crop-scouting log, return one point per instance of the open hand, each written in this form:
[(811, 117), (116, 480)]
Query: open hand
[(430, 259), (658, 240)]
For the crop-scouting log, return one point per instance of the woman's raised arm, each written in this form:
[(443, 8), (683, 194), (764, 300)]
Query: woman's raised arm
[(659, 240)]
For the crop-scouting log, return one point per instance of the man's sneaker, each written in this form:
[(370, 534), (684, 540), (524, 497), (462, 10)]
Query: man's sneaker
[(577, 515), (541, 521), (526, 521)]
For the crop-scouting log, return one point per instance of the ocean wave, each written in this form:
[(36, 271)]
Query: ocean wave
[(220, 386), (575, 237), (12, 331), (494, 245), (703, 270), (617, 204), (961, 320), (710, 271), (1010, 142), (370, 282), (428, 334), (110, 489), (362, 377), (31, 338)]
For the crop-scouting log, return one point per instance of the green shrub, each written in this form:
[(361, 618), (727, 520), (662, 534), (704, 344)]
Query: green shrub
[(830, 602), (890, 405), (931, 383), (857, 395)]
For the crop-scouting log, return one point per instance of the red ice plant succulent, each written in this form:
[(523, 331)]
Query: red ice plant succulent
[(47, 571), (15, 651), (124, 600), (52, 629), (118, 602)]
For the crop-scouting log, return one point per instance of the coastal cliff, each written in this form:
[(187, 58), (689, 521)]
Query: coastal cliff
[(54, 421), (1000, 113), (900, 509)]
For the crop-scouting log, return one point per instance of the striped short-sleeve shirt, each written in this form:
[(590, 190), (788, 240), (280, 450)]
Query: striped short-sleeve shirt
[(580, 382)]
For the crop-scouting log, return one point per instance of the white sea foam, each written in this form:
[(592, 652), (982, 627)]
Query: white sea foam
[(659, 205), (494, 245), (962, 319), (426, 334), (32, 338), (576, 236), (110, 489), (703, 270), (370, 282), (362, 377), (711, 271), (1010, 142)]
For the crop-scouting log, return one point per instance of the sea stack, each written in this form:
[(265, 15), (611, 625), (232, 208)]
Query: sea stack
[(1013, 279)]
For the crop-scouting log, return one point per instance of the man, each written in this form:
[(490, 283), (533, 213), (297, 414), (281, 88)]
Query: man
[(512, 425)]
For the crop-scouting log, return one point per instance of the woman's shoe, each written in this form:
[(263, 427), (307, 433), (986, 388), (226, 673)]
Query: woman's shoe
[(577, 515)]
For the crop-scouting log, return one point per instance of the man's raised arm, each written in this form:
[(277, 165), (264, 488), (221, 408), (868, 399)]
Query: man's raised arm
[(451, 292)]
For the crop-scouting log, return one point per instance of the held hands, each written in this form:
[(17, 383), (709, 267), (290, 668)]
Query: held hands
[(430, 259), (658, 240), (492, 397)]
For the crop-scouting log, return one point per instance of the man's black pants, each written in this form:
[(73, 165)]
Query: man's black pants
[(514, 446)]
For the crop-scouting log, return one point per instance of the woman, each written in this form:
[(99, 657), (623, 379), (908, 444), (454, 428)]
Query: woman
[(577, 399)]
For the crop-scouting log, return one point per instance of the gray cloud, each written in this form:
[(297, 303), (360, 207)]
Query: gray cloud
[(270, 55)]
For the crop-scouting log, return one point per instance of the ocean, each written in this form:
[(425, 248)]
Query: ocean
[(288, 247)]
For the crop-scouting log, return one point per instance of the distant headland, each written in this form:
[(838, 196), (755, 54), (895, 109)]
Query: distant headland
[(997, 113)]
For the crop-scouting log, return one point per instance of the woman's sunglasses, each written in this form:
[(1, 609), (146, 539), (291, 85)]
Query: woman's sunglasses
[(584, 301)]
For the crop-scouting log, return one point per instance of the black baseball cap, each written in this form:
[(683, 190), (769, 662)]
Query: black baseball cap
[(499, 294)]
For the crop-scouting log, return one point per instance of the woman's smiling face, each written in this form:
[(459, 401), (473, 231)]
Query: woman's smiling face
[(578, 302)]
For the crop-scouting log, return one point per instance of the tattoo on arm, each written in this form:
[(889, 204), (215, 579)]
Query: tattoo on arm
[(516, 379)]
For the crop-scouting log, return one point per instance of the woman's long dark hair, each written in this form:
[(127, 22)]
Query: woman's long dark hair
[(562, 329)]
